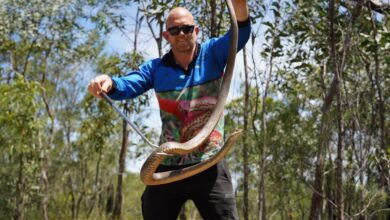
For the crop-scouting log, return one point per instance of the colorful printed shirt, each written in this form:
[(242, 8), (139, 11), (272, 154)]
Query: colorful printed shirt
[(186, 98)]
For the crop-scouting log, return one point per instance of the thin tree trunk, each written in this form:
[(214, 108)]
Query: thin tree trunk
[(220, 20), (44, 172), (46, 158), (245, 141), (110, 199), (213, 16), (73, 205), (384, 176), (47, 147), (20, 189), (338, 71), (158, 38), (125, 128), (82, 191), (262, 190), (137, 29), (329, 192), (317, 201), (256, 133), (122, 164), (338, 67), (96, 185), (72, 197), (263, 170), (339, 159)]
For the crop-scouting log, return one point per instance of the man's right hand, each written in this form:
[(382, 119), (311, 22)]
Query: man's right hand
[(102, 83)]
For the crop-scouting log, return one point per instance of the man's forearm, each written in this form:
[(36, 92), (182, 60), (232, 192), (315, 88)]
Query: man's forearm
[(241, 9)]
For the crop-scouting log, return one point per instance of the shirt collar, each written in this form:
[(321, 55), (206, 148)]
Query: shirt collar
[(169, 60)]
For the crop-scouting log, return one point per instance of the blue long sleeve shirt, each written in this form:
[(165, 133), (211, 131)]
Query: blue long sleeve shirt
[(186, 97)]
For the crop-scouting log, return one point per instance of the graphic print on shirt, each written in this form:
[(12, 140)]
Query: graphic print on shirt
[(183, 118)]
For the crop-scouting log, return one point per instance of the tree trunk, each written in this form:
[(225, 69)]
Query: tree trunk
[(72, 197), (122, 165), (244, 139), (20, 189), (329, 192), (213, 17), (96, 185), (264, 149), (384, 176), (339, 159), (262, 190), (261, 193), (45, 148), (44, 179), (337, 67), (110, 199), (159, 40), (82, 191), (160, 23), (316, 200)]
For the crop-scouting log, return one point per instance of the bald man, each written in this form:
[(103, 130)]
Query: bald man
[(186, 81)]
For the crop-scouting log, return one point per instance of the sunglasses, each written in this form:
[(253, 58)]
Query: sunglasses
[(177, 29)]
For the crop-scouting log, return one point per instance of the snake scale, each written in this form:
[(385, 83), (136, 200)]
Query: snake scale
[(148, 171)]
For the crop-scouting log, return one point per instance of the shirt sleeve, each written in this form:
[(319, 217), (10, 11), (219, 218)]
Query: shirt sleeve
[(134, 83), (220, 46)]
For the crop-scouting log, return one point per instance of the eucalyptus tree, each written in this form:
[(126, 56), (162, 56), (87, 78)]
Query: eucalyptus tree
[(313, 70), (20, 138), (50, 43), (38, 39), (334, 54)]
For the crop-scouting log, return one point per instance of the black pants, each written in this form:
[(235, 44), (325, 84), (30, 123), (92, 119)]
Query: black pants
[(211, 191)]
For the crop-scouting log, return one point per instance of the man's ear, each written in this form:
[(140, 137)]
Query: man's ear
[(196, 30), (165, 35)]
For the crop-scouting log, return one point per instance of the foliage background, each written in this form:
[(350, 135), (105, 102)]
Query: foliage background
[(311, 92)]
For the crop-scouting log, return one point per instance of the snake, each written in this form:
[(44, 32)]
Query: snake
[(148, 172)]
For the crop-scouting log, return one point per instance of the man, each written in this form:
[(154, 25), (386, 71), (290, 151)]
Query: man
[(186, 81)]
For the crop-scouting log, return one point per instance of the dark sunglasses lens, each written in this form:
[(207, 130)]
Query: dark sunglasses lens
[(187, 29), (176, 30)]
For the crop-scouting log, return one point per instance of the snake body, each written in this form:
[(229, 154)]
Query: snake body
[(148, 175)]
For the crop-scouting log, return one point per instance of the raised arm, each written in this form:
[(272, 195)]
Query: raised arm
[(241, 9)]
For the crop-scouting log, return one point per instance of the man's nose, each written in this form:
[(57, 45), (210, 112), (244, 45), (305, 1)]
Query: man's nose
[(181, 32)]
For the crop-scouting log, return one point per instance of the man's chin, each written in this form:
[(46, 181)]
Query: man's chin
[(185, 49)]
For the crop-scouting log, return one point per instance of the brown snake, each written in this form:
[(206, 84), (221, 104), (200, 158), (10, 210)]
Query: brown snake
[(148, 175)]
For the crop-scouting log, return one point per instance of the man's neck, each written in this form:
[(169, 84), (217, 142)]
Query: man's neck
[(184, 59)]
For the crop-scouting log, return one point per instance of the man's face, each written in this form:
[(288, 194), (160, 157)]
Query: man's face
[(181, 31)]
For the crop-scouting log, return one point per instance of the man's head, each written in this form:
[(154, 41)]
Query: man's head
[(181, 31)]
